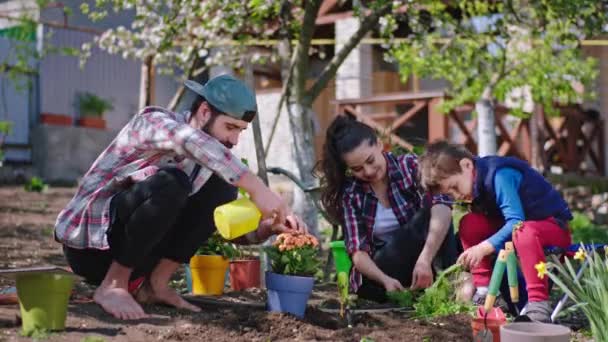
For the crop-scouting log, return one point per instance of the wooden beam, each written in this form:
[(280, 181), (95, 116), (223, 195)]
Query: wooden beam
[(389, 98), (407, 115), (438, 122)]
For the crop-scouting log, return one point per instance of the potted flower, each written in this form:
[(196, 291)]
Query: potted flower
[(91, 109), (244, 270), (293, 260), (208, 267)]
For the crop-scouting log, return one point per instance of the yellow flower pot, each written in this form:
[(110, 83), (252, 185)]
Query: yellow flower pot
[(208, 274)]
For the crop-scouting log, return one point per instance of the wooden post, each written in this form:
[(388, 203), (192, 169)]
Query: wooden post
[(146, 85), (438, 128)]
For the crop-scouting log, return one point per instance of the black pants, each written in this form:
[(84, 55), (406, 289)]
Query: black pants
[(154, 219), (397, 256)]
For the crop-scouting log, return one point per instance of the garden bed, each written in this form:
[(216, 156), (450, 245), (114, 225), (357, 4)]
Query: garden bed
[(26, 221)]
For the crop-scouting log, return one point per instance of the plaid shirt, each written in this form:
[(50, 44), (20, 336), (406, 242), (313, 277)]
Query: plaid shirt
[(153, 139), (359, 205)]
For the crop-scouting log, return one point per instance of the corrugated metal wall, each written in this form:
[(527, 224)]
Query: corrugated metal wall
[(15, 99), (105, 75)]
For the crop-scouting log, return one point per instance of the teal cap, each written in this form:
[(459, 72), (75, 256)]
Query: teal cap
[(228, 95)]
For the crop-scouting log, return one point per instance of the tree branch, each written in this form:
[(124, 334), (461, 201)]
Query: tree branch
[(311, 9), (332, 67), (284, 98)]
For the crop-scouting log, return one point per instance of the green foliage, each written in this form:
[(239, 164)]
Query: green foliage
[(93, 339), (403, 298), (440, 298), (301, 261), (216, 245), (590, 291), (35, 184), (5, 129), (503, 47), (92, 105), (584, 231)]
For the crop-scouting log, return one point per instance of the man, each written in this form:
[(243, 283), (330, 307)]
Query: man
[(146, 203)]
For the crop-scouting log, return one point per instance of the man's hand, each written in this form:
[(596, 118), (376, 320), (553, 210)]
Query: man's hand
[(292, 224), (473, 256), (270, 204), (422, 277), (391, 284)]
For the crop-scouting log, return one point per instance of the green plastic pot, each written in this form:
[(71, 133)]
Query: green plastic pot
[(43, 299), (341, 258)]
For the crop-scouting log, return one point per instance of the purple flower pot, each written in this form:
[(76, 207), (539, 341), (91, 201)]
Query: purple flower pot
[(288, 293)]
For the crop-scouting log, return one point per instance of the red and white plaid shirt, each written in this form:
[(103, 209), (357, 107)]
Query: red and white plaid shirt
[(153, 139), (359, 204)]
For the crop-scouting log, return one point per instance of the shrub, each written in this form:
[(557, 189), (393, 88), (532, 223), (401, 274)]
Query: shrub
[(92, 105)]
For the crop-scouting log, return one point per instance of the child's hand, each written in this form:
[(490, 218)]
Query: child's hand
[(473, 256)]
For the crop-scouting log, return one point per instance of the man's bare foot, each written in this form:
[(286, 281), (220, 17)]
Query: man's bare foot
[(118, 302), (163, 295)]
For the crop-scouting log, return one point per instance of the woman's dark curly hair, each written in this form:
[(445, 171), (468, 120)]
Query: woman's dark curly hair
[(344, 134)]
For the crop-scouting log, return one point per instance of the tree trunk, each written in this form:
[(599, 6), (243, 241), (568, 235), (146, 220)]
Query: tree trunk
[(146, 85), (486, 126), (300, 122)]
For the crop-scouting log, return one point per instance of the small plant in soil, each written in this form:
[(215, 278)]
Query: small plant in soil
[(404, 298), (216, 245), (35, 184), (440, 298)]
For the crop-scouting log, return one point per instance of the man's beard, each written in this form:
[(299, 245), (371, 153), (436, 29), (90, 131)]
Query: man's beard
[(207, 129)]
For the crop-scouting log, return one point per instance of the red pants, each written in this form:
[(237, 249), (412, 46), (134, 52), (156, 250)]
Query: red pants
[(528, 240)]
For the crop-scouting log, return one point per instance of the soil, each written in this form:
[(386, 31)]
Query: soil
[(26, 239)]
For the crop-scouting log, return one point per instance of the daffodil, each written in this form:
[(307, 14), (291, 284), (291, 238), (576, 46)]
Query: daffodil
[(541, 268), (580, 254)]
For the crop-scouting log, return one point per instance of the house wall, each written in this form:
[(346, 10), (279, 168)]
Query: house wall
[(63, 154)]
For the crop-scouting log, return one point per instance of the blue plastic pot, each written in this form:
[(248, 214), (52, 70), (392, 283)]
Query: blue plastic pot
[(188, 277), (288, 293)]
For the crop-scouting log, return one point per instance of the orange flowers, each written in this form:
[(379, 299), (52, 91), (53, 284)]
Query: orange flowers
[(287, 241)]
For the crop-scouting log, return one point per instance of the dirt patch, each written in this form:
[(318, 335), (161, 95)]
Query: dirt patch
[(26, 221)]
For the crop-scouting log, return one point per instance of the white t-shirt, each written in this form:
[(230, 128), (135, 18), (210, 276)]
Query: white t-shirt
[(385, 222)]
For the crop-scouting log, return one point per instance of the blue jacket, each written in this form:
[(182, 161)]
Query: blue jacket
[(509, 188)]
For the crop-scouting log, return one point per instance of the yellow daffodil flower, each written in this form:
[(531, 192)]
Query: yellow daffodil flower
[(541, 268), (580, 254)]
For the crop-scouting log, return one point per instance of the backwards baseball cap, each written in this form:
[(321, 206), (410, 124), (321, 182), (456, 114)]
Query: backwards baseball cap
[(228, 95)]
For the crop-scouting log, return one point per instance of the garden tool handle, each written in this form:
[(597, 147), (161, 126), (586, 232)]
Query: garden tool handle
[(512, 272), (497, 275)]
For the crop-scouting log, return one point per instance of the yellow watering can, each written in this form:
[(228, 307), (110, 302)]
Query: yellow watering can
[(236, 218)]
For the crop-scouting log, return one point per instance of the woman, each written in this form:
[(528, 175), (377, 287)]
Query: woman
[(393, 232)]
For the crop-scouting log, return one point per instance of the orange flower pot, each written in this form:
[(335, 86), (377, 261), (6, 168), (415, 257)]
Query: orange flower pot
[(92, 122), (55, 119)]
